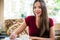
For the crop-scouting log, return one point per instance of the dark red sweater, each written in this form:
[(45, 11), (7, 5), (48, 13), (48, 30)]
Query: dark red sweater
[(33, 30)]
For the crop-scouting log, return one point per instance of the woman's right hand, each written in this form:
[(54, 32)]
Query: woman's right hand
[(13, 36)]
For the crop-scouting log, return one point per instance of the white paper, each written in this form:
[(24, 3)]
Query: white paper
[(22, 37)]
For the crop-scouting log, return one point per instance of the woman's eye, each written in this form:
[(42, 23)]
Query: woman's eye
[(39, 7), (34, 7)]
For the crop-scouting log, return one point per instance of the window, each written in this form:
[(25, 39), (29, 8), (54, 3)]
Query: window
[(23, 8)]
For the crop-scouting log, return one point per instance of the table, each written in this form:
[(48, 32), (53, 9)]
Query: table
[(22, 37)]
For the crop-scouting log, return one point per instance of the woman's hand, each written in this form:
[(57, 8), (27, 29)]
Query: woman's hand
[(39, 38), (13, 36), (35, 38)]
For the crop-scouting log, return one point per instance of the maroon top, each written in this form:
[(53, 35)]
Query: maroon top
[(33, 30)]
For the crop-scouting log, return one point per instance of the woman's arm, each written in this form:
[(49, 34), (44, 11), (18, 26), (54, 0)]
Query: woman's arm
[(18, 30), (52, 35), (39, 38)]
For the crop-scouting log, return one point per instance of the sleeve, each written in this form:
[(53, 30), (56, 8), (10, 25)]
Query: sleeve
[(27, 20), (51, 23)]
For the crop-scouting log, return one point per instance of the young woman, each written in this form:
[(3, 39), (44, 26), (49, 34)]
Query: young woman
[(40, 26)]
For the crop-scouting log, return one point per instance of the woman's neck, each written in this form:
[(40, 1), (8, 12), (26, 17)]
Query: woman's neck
[(37, 18), (37, 21)]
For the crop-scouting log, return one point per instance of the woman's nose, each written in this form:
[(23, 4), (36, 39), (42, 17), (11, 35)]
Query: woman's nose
[(37, 9)]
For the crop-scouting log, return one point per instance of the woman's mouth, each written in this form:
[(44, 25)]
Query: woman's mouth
[(37, 12)]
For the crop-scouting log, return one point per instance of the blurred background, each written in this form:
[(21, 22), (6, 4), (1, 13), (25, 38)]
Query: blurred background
[(13, 11)]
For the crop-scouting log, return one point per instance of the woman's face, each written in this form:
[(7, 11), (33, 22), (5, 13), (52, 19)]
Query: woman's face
[(37, 9)]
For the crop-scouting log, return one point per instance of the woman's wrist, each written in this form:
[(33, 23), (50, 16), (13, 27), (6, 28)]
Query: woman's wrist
[(13, 36)]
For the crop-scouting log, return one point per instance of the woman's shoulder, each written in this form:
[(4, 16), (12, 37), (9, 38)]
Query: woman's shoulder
[(51, 23), (28, 19), (50, 20)]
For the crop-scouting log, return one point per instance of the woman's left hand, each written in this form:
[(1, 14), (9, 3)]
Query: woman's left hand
[(34, 38), (37, 38)]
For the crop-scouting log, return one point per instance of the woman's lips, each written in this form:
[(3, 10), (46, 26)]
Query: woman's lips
[(37, 12)]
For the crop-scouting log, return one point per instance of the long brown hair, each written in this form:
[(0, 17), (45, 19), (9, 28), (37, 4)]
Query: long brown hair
[(44, 21)]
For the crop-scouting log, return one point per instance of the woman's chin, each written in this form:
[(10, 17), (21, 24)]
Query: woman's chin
[(38, 15)]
